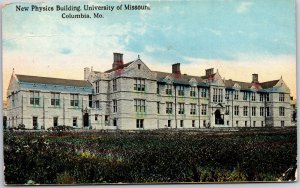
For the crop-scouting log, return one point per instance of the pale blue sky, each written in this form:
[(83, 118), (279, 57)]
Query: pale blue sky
[(229, 31)]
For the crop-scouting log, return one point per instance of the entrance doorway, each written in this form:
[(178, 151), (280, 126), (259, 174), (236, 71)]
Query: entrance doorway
[(34, 122), (86, 120), (219, 118)]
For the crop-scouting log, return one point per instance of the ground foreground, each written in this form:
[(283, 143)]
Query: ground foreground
[(148, 157)]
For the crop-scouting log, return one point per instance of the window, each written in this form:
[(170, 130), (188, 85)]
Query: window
[(169, 89), (74, 100), (236, 110), (181, 123), (217, 95), (227, 110), (261, 97), (180, 90), (139, 66), (220, 95), (139, 105), (246, 123), (236, 95), (267, 111), (227, 122), (114, 84), (115, 122), (253, 96), (139, 84), (115, 107), (158, 107), (97, 104), (96, 117), (54, 99), (281, 111), (34, 97), (106, 119), (282, 123), (281, 97), (245, 96), (181, 108), (253, 111), (204, 123), (245, 110), (267, 97), (169, 123), (139, 123), (262, 123), (169, 108), (90, 101), (13, 99), (55, 121), (227, 94), (193, 109), (204, 109), (193, 92), (237, 123), (97, 87), (203, 92), (74, 121), (193, 123), (254, 123), (261, 111)]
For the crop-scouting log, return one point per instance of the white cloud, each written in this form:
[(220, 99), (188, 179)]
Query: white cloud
[(244, 7)]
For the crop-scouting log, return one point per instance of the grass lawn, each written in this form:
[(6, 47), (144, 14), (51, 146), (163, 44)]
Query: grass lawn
[(161, 156)]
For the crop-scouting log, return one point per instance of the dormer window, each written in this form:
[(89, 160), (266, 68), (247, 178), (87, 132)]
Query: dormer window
[(227, 94), (193, 92), (139, 66), (253, 98), (169, 89), (245, 96), (181, 90)]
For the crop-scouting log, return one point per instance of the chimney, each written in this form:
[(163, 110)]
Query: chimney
[(86, 73), (254, 78), (118, 61), (209, 71), (176, 68)]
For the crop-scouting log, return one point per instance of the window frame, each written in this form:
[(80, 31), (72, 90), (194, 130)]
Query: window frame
[(74, 100), (139, 123), (140, 105), (34, 98), (140, 84)]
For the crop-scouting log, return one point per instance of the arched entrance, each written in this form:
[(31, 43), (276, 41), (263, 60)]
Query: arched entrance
[(219, 118)]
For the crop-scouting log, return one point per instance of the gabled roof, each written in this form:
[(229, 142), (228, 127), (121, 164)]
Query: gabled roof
[(53, 81), (178, 78), (124, 65), (247, 85), (269, 84), (244, 85)]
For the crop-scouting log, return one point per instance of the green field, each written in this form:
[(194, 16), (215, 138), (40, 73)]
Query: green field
[(148, 156)]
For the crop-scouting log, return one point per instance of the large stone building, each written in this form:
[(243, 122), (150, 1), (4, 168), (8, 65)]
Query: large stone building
[(132, 97)]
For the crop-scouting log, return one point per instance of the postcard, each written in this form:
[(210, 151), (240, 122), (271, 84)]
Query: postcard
[(149, 92)]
